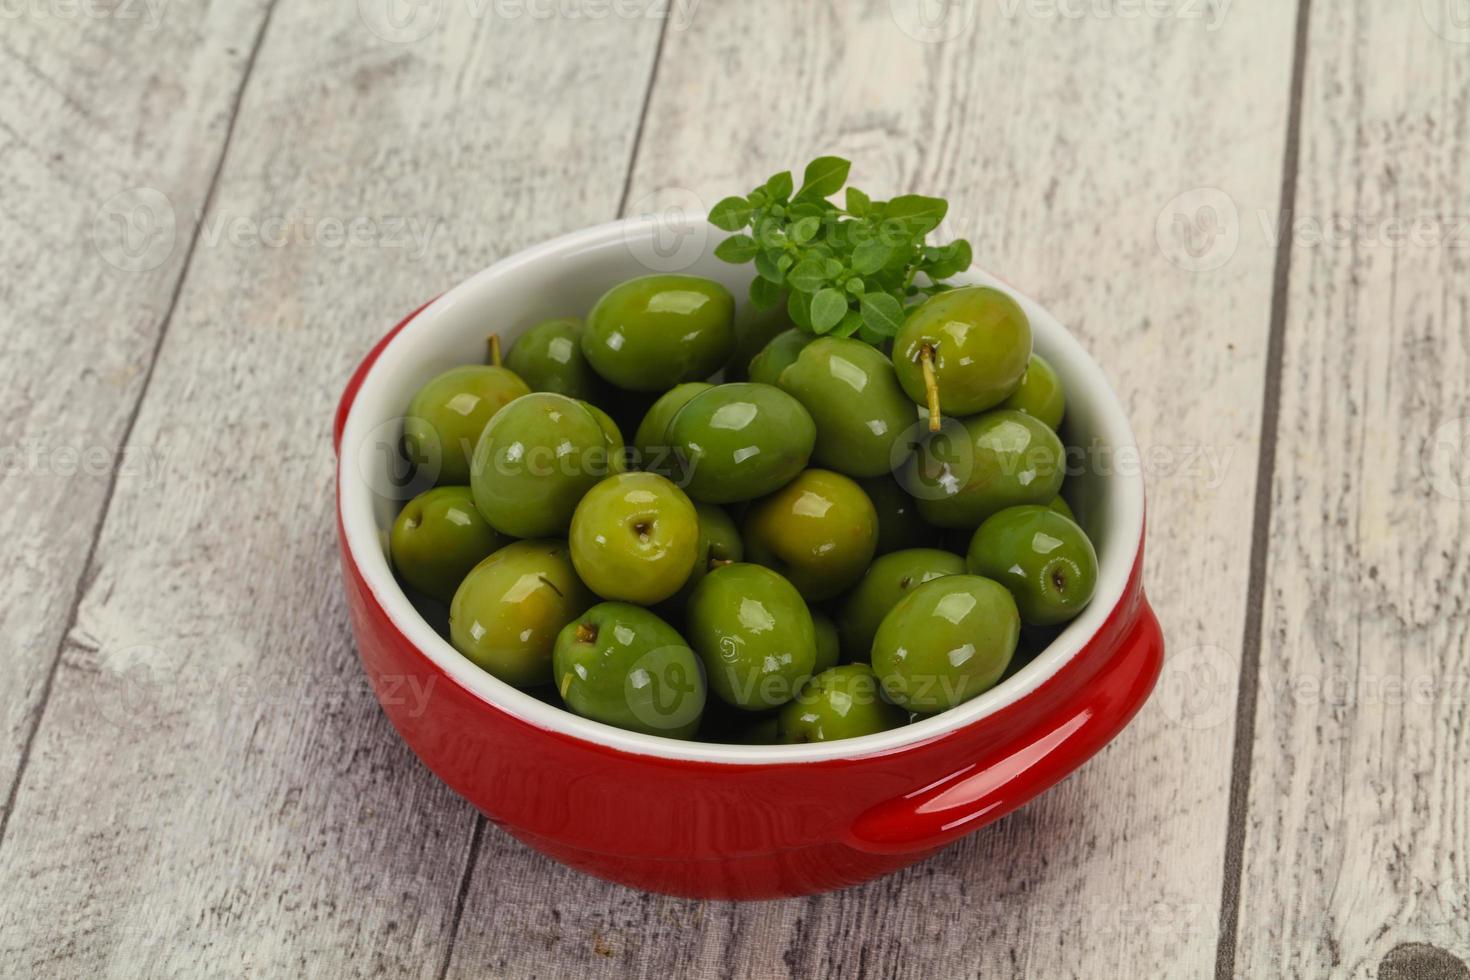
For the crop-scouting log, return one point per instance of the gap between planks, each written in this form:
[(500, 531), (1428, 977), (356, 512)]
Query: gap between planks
[(1250, 664)]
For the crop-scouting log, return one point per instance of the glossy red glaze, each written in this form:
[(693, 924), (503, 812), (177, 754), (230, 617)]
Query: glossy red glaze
[(718, 830)]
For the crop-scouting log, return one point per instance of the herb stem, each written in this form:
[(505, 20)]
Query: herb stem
[(931, 386)]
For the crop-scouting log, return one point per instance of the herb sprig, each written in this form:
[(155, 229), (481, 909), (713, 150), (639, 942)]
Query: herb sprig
[(843, 270)]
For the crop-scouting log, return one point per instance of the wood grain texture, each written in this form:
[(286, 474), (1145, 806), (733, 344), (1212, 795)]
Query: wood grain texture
[(1059, 163), (111, 128), (1355, 860), (213, 790)]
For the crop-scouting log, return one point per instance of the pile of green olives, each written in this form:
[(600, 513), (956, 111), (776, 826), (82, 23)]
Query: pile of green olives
[(791, 547)]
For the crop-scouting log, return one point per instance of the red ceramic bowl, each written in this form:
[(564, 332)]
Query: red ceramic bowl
[(726, 821)]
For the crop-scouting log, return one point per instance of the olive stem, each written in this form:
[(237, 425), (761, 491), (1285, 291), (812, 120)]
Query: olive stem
[(931, 386), (586, 633), (495, 349)]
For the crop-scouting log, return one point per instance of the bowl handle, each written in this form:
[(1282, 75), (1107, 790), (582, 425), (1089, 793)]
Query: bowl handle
[(947, 809), (349, 394)]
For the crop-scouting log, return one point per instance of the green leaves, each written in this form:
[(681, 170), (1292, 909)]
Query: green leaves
[(737, 249), (823, 177), (844, 271), (882, 314), (731, 214), (828, 307)]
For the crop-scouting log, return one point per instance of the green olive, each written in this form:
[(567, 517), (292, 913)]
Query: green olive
[(635, 537), (754, 634), (446, 417), (1041, 394), (617, 452), (1045, 559), (438, 537), (536, 459), (947, 641), (841, 702), (977, 339), (854, 398), (819, 531), (741, 441), (507, 612), (621, 665), (887, 580), (651, 449), (654, 331), (984, 464), (548, 357), (779, 354)]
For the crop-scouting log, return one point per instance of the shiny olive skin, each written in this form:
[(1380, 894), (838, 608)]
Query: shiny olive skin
[(1060, 505), (507, 613), (754, 329), (444, 420), (438, 537), (655, 331), (754, 634), (829, 645), (1040, 394), (621, 665), (651, 448), (617, 455), (778, 355), (854, 398), (819, 531), (635, 537), (537, 458), (841, 702), (887, 580), (985, 464), (946, 642), (741, 441), (1045, 559), (899, 523), (981, 343), (719, 544), (548, 357)]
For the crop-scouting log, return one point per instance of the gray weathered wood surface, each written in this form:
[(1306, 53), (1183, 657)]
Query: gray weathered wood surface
[(201, 785)]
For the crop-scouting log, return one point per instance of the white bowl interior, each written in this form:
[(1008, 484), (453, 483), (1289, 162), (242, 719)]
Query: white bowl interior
[(565, 277)]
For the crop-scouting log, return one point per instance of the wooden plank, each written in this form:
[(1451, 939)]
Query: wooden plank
[(1062, 167), (1354, 859), (107, 162), (212, 788)]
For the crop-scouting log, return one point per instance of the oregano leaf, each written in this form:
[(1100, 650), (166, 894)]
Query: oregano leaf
[(737, 249), (828, 308), (764, 294), (882, 313), (730, 214), (823, 177)]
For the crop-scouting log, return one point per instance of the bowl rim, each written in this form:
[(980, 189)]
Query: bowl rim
[(362, 539)]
